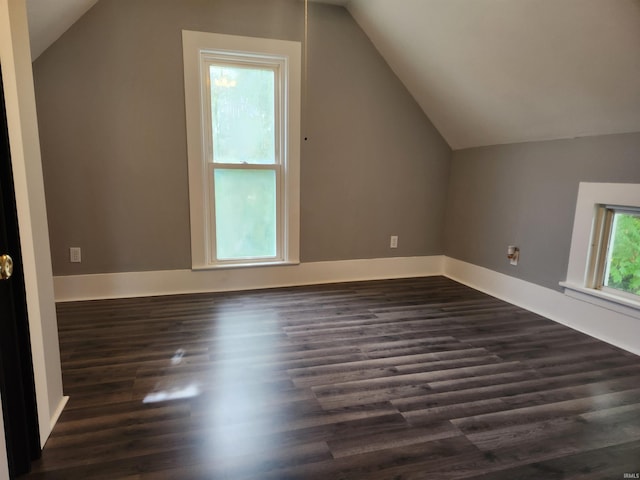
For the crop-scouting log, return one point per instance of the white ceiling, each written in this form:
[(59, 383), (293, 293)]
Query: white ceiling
[(504, 71), (49, 19), (486, 71)]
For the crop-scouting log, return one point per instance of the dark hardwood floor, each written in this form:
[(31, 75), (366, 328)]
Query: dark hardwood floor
[(403, 379)]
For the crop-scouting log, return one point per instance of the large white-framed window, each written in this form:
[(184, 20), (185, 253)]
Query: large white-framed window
[(242, 99), (604, 260)]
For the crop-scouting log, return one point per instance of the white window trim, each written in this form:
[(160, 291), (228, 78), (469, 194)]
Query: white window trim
[(579, 282), (195, 45)]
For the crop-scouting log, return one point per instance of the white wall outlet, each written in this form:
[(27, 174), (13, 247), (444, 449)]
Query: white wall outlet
[(75, 255), (513, 254), (394, 241)]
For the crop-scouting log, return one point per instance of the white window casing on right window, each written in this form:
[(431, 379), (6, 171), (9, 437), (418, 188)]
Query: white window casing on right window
[(604, 261)]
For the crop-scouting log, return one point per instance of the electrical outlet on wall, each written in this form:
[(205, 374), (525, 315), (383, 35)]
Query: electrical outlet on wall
[(75, 255), (393, 243)]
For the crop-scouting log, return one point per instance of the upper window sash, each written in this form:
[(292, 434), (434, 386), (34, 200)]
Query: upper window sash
[(277, 65)]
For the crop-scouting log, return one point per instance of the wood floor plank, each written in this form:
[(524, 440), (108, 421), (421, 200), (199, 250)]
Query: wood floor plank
[(419, 378), (548, 411), (602, 463)]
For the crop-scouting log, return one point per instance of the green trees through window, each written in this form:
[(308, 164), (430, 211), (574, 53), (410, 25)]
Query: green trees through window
[(623, 262)]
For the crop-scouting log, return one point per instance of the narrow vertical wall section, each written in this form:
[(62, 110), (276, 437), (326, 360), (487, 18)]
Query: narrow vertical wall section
[(32, 215)]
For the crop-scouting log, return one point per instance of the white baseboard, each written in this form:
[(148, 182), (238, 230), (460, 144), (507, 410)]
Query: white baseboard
[(610, 326), (54, 418), (145, 284)]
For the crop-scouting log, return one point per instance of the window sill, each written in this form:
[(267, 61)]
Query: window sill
[(197, 268), (602, 299)]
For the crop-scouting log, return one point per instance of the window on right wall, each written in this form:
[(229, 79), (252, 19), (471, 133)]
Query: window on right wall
[(615, 254), (604, 261)]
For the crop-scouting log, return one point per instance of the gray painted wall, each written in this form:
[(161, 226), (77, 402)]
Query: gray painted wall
[(525, 195), (110, 99)]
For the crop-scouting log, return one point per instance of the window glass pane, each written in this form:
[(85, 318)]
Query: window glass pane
[(623, 261), (245, 211), (242, 109)]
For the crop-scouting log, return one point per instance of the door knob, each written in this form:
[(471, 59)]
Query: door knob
[(6, 267)]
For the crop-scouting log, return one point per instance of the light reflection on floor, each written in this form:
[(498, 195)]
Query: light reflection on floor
[(235, 407), (241, 416), (167, 393), (190, 391)]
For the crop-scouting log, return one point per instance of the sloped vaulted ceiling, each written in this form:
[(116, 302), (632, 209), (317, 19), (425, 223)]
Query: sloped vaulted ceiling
[(486, 71), (505, 71), (48, 19)]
